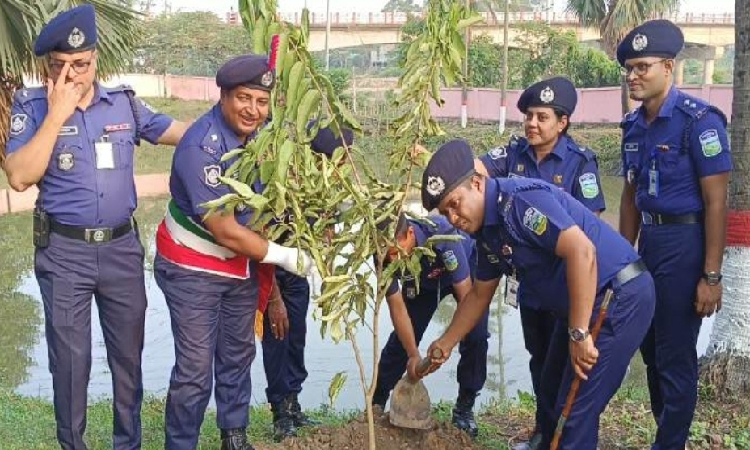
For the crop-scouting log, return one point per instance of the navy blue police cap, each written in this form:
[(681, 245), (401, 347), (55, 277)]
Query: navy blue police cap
[(247, 70), (659, 38), (558, 93), (70, 31), (448, 167), (326, 142)]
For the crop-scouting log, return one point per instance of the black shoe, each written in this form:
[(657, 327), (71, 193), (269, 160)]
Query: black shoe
[(283, 420), (235, 439), (463, 413), (535, 443), (300, 419)]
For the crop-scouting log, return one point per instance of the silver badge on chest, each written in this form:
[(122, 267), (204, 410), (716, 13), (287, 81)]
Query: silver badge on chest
[(65, 161)]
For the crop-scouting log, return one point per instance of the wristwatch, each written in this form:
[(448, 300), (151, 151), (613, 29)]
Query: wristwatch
[(578, 334), (712, 278)]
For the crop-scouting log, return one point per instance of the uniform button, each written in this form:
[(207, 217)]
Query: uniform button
[(101, 195), (100, 221)]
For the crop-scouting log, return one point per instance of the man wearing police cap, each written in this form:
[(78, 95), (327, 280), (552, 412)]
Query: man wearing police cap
[(566, 258), (676, 163), (209, 268), (74, 139), (548, 153)]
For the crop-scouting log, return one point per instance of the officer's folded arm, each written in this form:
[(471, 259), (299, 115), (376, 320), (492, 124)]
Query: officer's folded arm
[(630, 220), (579, 254), (26, 166), (230, 234), (174, 133), (402, 323)]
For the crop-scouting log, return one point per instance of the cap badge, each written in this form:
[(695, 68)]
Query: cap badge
[(547, 95), (435, 186), (267, 79), (76, 38), (640, 42)]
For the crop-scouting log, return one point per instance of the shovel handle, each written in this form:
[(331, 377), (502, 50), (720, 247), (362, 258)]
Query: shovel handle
[(424, 364)]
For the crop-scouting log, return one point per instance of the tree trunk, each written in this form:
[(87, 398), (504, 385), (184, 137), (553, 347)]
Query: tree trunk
[(727, 364)]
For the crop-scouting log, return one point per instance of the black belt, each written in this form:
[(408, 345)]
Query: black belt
[(91, 235), (630, 271), (663, 219)]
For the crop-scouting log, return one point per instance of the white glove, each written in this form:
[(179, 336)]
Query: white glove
[(286, 258)]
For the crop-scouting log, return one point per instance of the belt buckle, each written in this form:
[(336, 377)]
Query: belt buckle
[(648, 219), (98, 235)]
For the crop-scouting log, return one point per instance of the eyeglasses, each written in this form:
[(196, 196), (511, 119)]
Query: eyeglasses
[(79, 66), (639, 69)]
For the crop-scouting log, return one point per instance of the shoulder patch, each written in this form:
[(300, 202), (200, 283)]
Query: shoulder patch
[(710, 143), (18, 124), (589, 186), (535, 221), (497, 153), (212, 174), (450, 260)]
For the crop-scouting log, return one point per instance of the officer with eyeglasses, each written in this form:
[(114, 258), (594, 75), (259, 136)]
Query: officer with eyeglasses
[(676, 163), (74, 139)]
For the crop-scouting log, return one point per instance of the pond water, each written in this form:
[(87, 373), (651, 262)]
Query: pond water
[(23, 350)]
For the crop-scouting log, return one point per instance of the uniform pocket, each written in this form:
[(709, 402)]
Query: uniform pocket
[(63, 301), (124, 151)]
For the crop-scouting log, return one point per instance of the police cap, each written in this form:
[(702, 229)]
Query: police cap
[(70, 31), (659, 38), (558, 93), (326, 142), (449, 167), (247, 70)]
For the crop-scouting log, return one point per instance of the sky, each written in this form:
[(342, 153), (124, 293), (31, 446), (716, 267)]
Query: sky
[(222, 6)]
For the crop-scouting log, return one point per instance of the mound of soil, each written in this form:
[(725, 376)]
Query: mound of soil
[(354, 436)]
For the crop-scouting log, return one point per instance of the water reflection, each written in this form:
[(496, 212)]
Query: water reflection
[(23, 350)]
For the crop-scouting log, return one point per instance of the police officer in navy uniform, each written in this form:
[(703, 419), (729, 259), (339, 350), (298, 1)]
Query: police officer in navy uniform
[(547, 153), (74, 139), (412, 308), (208, 267), (285, 326), (676, 163), (566, 258)]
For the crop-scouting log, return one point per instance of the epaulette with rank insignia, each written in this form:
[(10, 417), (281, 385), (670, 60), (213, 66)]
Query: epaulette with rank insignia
[(26, 95), (629, 117)]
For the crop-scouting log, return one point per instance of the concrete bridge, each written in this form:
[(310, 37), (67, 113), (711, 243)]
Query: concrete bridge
[(706, 35)]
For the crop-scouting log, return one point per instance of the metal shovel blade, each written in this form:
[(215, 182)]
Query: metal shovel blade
[(410, 405)]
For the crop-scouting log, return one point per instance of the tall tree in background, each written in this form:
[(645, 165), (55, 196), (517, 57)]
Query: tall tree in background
[(727, 367), (20, 22), (614, 18), (402, 6)]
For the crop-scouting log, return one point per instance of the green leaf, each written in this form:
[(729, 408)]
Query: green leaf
[(334, 389), (285, 155), (239, 187)]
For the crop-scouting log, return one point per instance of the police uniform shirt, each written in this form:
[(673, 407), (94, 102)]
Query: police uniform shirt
[(452, 265), (73, 190), (197, 166), (569, 166), (523, 220), (687, 141)]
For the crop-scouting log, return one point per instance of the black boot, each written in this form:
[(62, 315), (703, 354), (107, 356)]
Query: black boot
[(235, 439), (300, 419), (283, 420), (535, 443), (463, 413)]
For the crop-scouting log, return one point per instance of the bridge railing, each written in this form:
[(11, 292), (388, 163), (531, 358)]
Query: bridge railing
[(339, 19)]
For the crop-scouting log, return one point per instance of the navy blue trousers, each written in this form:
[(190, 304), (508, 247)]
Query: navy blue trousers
[(213, 325), (538, 326), (674, 255), (284, 360), (624, 328), (472, 367), (69, 272)]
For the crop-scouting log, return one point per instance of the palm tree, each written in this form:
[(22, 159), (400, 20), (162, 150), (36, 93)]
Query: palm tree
[(615, 18), (727, 366), (20, 23)]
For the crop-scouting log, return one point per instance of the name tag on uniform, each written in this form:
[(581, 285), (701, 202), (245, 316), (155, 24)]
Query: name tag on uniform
[(105, 158), (68, 131), (120, 127), (511, 291)]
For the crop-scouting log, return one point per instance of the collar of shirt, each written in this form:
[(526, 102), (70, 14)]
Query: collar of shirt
[(230, 138), (100, 93), (492, 198), (559, 150), (666, 108)]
